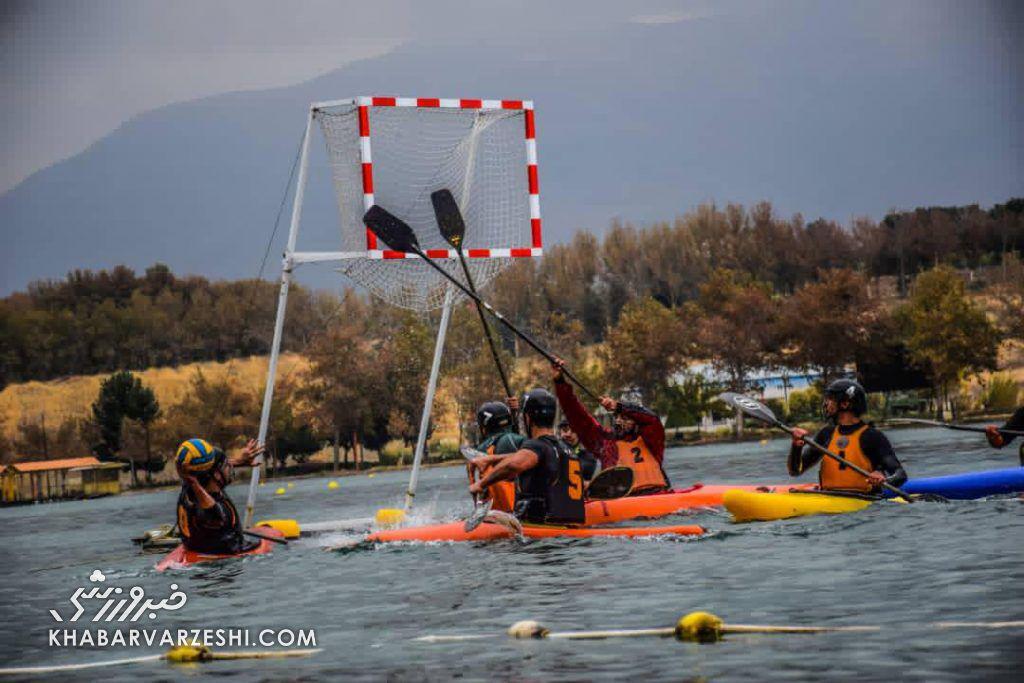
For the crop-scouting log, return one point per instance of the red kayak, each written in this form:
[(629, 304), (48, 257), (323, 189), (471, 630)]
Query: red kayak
[(180, 557), (455, 532), (661, 504)]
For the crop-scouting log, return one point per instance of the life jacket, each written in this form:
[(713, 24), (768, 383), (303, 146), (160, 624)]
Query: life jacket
[(502, 493), (225, 539), (647, 473), (835, 475), (551, 492)]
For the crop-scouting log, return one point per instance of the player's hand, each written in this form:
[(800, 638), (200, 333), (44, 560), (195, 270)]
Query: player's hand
[(995, 439), (798, 437), (557, 368), (876, 479)]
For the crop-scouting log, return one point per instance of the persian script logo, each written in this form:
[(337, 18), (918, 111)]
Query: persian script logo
[(117, 608)]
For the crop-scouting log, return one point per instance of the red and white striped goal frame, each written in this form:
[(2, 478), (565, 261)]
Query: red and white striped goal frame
[(363, 105)]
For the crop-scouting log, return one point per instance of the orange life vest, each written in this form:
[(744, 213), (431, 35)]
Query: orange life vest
[(647, 472), (835, 475), (503, 493)]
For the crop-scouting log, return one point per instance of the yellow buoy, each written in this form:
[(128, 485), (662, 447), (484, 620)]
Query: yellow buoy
[(279, 491), (371, 475), (187, 653), (291, 485), (764, 442), (332, 485), (700, 627), (288, 527), (389, 517)]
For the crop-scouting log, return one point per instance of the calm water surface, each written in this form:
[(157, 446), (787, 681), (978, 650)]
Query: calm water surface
[(904, 567)]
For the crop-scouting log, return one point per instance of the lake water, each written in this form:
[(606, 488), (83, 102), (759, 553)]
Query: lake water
[(899, 566)]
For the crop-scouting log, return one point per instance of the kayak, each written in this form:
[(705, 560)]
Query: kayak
[(752, 506), (488, 531), (662, 504), (748, 506), (181, 557), (969, 485)]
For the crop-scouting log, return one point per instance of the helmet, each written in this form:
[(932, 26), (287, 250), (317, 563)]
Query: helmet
[(198, 457), (492, 417), (540, 406), (850, 391)]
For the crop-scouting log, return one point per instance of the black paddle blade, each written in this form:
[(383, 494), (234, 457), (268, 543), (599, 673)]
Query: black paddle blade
[(391, 229), (612, 483), (449, 218), (751, 407)]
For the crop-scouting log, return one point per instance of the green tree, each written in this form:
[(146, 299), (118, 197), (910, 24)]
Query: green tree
[(947, 334)]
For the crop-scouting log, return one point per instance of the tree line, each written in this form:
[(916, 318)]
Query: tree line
[(741, 290)]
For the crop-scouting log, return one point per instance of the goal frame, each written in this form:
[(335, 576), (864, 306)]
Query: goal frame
[(293, 258)]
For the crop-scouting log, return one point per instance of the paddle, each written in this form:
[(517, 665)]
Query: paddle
[(453, 229), (272, 539), (759, 411), (480, 512), (394, 232), (615, 482), (959, 428)]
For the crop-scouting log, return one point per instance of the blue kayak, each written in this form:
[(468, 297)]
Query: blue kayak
[(969, 484)]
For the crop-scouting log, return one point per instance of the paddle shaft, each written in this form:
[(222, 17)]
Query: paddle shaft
[(484, 324), (272, 539), (500, 318)]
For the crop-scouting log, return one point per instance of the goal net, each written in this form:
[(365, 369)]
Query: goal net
[(396, 151)]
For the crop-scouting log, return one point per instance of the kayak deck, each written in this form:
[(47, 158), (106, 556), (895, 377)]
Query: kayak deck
[(661, 504), (181, 557), (752, 506), (454, 532)]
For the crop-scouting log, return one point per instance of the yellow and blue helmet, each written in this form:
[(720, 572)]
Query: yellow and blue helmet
[(197, 456)]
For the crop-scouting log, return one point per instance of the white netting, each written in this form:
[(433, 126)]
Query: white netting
[(480, 155)]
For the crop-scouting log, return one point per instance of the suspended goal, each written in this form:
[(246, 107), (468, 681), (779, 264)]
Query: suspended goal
[(395, 152)]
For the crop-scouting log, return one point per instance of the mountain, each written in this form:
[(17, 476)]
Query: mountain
[(827, 117)]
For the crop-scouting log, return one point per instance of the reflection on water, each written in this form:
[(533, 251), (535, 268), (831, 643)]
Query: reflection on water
[(902, 566)]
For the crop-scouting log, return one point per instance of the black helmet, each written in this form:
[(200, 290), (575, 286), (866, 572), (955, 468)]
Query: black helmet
[(492, 417), (850, 391), (540, 406)]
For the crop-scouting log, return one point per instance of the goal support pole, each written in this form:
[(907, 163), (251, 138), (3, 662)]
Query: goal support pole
[(282, 303), (428, 401)]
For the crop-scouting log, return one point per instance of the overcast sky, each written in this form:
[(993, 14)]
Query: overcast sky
[(71, 72)]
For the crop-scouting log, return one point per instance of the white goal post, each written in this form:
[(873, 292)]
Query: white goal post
[(396, 151)]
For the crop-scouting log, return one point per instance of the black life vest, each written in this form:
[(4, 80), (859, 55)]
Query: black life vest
[(551, 492), (202, 532)]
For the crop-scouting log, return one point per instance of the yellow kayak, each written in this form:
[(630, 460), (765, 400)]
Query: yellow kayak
[(750, 506)]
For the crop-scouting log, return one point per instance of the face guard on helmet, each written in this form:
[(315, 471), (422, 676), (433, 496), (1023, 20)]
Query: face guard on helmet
[(844, 395)]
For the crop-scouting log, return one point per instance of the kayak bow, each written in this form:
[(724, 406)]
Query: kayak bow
[(181, 557)]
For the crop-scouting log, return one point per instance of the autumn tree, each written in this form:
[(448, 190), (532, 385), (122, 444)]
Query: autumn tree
[(734, 323), (826, 322), (947, 333), (645, 350), (216, 410)]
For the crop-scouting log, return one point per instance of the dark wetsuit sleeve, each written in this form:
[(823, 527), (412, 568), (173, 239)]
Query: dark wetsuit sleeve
[(651, 429), (590, 431), (802, 459), (212, 518), (879, 451), (1016, 423)]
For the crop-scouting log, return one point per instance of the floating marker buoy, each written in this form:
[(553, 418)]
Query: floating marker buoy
[(288, 527), (528, 629), (291, 485), (332, 485), (389, 517), (279, 491), (371, 475), (764, 442), (699, 627)]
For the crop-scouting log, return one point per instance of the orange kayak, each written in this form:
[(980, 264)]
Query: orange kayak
[(662, 504), (454, 532), (181, 557)]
